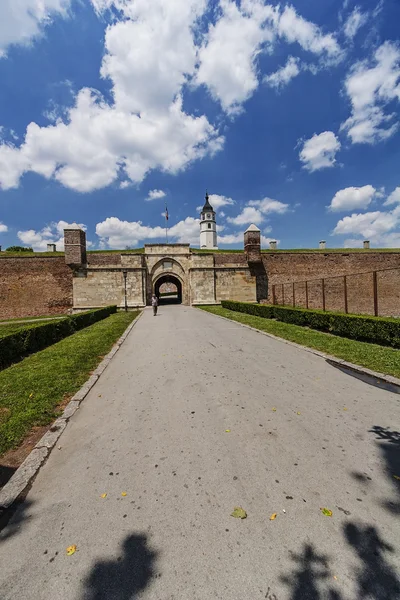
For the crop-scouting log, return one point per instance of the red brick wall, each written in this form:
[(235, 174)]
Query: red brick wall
[(33, 286), (285, 268)]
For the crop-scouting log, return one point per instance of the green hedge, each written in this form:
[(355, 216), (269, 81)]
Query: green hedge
[(379, 330), (33, 338)]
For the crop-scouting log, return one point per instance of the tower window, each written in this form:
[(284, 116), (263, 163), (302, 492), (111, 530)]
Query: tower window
[(209, 226), (208, 216), (203, 217)]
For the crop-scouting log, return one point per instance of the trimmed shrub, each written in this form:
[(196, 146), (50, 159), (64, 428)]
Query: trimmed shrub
[(34, 337), (378, 330)]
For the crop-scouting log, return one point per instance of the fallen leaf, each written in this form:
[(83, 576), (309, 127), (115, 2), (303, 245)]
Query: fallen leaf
[(273, 517), (274, 409), (31, 395), (326, 512), (99, 395), (239, 513), (103, 496), (71, 550), (299, 413), (345, 409), (334, 577), (124, 494), (396, 477), (227, 430)]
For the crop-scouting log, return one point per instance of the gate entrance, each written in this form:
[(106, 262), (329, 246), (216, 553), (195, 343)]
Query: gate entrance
[(168, 290)]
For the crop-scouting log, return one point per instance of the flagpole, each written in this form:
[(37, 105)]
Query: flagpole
[(166, 223)]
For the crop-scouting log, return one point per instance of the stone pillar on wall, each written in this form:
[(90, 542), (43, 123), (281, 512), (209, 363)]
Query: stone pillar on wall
[(252, 244), (75, 247)]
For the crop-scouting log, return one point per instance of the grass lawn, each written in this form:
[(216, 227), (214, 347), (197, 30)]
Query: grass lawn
[(378, 358), (31, 390)]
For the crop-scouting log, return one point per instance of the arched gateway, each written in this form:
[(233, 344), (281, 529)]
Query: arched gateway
[(168, 289)]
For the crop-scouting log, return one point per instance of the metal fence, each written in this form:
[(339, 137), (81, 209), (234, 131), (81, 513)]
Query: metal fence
[(374, 293)]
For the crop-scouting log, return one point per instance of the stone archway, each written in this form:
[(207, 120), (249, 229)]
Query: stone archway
[(168, 289)]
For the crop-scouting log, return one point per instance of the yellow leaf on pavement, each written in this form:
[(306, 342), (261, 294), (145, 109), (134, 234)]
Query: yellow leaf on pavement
[(326, 512), (227, 430), (274, 409), (71, 550), (124, 494), (299, 413), (239, 513), (103, 496), (273, 517)]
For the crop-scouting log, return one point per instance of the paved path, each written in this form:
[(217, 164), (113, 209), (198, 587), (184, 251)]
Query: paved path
[(155, 427)]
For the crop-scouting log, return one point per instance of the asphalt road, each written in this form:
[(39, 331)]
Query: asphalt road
[(302, 436)]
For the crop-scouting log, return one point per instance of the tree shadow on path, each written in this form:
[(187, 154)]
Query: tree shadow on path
[(376, 578), (389, 444), (306, 582), (124, 578)]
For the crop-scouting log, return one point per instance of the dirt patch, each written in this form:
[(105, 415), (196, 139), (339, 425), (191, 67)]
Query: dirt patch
[(11, 460)]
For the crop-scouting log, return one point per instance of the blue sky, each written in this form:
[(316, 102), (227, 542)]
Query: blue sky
[(287, 113)]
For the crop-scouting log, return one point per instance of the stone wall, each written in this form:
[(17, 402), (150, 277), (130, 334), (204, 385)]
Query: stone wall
[(34, 286)]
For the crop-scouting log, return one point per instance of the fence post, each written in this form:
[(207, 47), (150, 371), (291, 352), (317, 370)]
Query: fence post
[(283, 295), (375, 284), (306, 294), (294, 297), (346, 308), (273, 295), (323, 294)]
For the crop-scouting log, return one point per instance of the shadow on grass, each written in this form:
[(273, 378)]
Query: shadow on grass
[(125, 577)]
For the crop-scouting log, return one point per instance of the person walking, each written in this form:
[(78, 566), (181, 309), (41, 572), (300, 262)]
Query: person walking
[(154, 303)]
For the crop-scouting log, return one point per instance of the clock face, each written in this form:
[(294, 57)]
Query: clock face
[(208, 216)]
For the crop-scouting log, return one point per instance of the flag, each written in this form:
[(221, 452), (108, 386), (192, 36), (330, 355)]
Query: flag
[(166, 213)]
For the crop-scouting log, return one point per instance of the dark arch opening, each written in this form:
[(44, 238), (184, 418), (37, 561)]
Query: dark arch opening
[(168, 290)]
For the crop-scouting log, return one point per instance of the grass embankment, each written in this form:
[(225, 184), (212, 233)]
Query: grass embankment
[(378, 358), (14, 327), (31, 391), (37, 318)]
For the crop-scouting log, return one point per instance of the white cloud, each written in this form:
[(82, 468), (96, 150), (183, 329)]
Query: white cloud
[(22, 20), (3, 228), (267, 205), (125, 184), (375, 226), (248, 215), (228, 56), (319, 152), (230, 239), (217, 201), (284, 75), (148, 59), (256, 210), (354, 22), (155, 195), (51, 234), (115, 233), (371, 87), (352, 198), (394, 197), (295, 28)]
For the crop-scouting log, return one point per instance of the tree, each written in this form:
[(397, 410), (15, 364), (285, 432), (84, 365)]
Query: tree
[(19, 249)]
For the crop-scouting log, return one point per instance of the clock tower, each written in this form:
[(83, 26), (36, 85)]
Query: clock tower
[(208, 227)]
